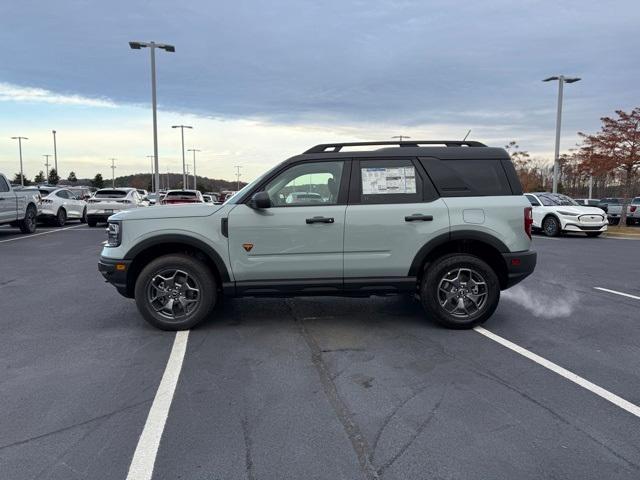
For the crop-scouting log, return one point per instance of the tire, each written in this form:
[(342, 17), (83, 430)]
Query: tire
[(83, 219), (167, 276), (593, 234), (551, 226), (454, 273), (61, 218), (29, 223), (92, 222)]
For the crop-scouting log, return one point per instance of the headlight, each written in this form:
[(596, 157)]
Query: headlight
[(567, 214), (114, 234)]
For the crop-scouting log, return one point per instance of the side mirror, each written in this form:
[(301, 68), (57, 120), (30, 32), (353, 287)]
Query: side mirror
[(260, 200)]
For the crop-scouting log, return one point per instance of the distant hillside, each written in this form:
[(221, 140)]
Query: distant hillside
[(173, 180)]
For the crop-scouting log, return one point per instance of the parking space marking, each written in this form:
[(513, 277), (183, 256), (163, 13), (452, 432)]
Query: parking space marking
[(584, 383), (617, 293), (24, 237), (144, 458)]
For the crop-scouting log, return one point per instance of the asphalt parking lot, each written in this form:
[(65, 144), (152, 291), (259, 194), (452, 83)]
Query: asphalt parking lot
[(327, 388)]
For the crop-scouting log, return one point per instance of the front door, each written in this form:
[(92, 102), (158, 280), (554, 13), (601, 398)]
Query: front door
[(300, 237), (7, 202)]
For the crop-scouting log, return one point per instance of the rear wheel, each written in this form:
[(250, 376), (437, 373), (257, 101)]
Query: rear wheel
[(593, 234), (28, 223), (175, 292), (551, 226), (61, 218), (460, 291), (92, 222)]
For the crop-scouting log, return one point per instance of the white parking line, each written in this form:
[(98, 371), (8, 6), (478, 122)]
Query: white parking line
[(24, 237), (616, 400), (617, 293), (144, 457)]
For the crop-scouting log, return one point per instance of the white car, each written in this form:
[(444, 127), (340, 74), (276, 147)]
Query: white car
[(60, 204), (108, 201), (554, 214)]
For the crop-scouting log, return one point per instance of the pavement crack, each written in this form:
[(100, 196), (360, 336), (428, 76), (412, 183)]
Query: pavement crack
[(416, 434), (75, 425), (351, 428), (248, 446)]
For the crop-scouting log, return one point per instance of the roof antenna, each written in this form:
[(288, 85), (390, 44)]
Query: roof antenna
[(465, 137)]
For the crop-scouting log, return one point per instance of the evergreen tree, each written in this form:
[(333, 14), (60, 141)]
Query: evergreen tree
[(98, 181), (39, 178), (16, 180), (54, 178), (72, 177)]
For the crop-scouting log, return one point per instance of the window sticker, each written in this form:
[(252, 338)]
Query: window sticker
[(376, 181)]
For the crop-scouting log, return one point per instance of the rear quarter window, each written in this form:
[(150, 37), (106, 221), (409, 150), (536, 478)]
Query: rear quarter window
[(469, 178)]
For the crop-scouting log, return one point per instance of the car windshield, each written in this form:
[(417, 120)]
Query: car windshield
[(636, 201), (554, 199), (612, 200), (111, 194)]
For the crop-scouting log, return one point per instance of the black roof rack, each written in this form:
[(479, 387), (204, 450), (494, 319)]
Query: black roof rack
[(336, 147)]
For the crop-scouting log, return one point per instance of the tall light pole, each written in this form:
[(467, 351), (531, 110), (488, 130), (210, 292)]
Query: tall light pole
[(238, 167), (184, 171), (556, 158), (113, 172), (152, 48), (195, 180), (20, 150), (151, 157), (46, 165), (55, 152), (401, 136)]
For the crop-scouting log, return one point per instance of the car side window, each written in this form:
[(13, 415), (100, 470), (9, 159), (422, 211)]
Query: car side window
[(533, 201), (388, 181), (3, 185), (306, 184), (62, 194)]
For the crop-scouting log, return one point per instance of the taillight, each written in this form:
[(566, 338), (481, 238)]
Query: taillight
[(528, 220), (632, 209)]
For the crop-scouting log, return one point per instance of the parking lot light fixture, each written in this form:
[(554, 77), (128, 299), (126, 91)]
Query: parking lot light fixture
[(556, 159), (46, 166), (401, 137), (152, 48), (55, 151), (113, 172), (20, 150), (184, 171)]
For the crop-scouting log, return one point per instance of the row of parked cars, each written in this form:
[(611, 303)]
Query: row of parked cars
[(555, 213), (23, 207)]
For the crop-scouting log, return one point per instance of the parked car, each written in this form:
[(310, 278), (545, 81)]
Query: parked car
[(554, 213), (18, 208), (60, 205), (633, 211), (152, 198), (84, 193), (174, 197), (107, 201), (142, 192), (613, 207), (588, 202), (448, 224), (303, 197), (207, 198)]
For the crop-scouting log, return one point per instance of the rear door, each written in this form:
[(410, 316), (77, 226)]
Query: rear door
[(301, 236), (393, 211), (7, 202)]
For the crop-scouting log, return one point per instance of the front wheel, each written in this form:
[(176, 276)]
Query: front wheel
[(459, 291), (92, 222), (175, 292), (551, 227)]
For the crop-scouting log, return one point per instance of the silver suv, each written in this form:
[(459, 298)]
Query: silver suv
[(444, 220)]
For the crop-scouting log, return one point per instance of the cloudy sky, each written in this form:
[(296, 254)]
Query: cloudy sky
[(263, 80)]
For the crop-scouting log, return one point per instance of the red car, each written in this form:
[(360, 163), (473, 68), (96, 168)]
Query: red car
[(174, 197)]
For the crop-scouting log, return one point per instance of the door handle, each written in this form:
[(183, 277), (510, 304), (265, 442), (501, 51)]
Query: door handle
[(319, 220), (418, 217)]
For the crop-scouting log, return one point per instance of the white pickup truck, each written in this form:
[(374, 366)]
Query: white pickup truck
[(18, 208)]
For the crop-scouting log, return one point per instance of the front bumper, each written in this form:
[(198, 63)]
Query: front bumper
[(575, 227), (519, 266), (115, 272)]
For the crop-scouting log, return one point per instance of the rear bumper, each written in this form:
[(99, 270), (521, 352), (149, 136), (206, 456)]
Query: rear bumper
[(519, 266), (114, 273)]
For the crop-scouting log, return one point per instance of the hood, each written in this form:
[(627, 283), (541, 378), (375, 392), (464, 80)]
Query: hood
[(580, 210), (168, 211)]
